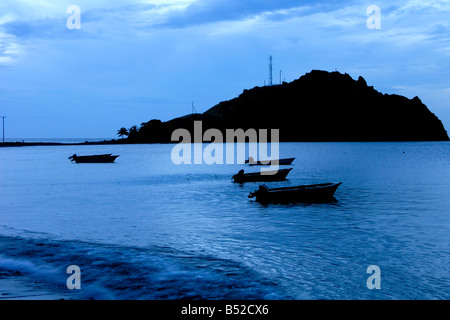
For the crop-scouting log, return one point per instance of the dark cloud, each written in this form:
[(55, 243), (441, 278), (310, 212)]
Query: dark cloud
[(198, 13), (22, 29), (209, 11)]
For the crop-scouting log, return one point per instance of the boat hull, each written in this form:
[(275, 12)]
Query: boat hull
[(306, 193), (278, 175), (102, 158), (281, 162)]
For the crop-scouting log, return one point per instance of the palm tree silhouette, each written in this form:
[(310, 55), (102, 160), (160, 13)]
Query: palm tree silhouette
[(122, 132)]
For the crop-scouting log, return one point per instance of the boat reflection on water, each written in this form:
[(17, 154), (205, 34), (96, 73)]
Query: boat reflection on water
[(277, 175)]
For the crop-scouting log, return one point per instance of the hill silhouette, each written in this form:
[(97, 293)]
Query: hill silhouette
[(319, 106)]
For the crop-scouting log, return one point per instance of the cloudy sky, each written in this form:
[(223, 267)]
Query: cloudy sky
[(136, 60)]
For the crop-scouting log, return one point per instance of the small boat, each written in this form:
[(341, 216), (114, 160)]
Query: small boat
[(274, 175), (98, 158), (304, 193), (269, 162)]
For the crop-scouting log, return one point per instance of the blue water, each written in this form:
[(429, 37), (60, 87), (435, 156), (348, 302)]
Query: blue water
[(145, 228)]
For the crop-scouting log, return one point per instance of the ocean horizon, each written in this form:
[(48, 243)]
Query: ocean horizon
[(56, 140)]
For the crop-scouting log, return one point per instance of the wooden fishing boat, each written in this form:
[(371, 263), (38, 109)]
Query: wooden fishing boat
[(303, 193), (273, 175), (281, 162), (98, 158)]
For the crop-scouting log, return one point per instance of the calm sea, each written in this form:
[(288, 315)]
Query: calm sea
[(145, 228)]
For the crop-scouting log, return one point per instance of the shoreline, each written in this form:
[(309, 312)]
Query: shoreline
[(86, 143), (16, 285), (119, 142), (34, 144)]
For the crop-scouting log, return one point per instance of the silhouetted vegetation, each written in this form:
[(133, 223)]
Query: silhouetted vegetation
[(122, 132)]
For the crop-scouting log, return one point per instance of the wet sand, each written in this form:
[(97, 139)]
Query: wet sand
[(15, 285)]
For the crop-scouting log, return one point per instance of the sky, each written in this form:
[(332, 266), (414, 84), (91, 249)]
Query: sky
[(137, 60)]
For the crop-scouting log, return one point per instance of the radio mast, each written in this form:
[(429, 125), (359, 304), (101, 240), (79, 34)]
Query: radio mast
[(194, 111), (270, 71)]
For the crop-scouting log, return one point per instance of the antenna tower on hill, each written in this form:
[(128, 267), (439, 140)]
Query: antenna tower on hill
[(194, 111), (270, 71)]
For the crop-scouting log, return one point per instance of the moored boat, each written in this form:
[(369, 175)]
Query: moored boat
[(98, 158), (273, 175), (303, 193), (281, 162)]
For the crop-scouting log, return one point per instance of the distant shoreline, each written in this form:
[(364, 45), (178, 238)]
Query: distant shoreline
[(125, 142), (33, 144)]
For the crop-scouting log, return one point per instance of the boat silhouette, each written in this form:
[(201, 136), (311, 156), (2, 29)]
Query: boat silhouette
[(99, 158), (303, 193)]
